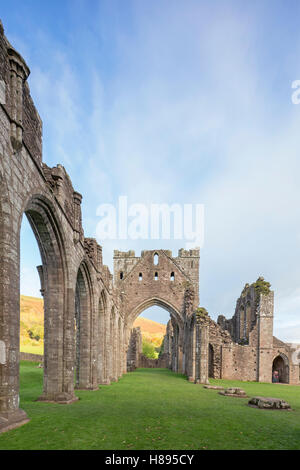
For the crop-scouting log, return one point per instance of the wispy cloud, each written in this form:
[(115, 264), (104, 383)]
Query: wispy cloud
[(184, 103)]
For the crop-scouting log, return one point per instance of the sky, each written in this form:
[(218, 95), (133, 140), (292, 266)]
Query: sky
[(176, 102)]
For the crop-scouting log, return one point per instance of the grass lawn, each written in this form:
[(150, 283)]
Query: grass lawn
[(155, 409)]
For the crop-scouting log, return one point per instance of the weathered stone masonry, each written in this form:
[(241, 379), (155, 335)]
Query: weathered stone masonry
[(87, 319), (77, 288), (89, 315)]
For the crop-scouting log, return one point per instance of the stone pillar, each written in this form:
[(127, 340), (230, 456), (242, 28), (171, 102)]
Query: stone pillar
[(202, 339), (106, 350), (113, 377), (41, 276), (126, 342), (58, 383), (94, 346), (11, 415), (180, 360), (121, 349), (265, 337), (192, 355), (87, 379), (69, 347)]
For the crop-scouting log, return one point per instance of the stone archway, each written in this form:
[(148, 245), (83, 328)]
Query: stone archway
[(158, 302), (281, 364), (157, 278), (176, 339), (85, 363), (58, 372)]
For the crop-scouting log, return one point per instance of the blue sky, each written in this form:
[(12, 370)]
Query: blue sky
[(171, 101)]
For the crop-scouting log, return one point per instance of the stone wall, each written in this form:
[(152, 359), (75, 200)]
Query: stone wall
[(160, 363), (31, 357), (134, 352), (75, 284)]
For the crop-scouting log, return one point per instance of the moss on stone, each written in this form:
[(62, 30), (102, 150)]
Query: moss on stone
[(201, 312), (261, 286)]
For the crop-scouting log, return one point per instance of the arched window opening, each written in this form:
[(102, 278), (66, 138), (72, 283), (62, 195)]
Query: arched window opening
[(121, 275), (155, 259), (152, 345), (140, 277), (156, 276), (172, 277), (50, 261), (280, 370), (32, 284)]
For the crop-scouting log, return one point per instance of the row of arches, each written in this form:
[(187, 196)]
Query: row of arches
[(83, 334)]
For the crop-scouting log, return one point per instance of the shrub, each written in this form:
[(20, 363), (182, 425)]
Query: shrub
[(149, 349)]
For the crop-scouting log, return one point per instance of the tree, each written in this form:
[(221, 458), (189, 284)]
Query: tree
[(149, 349)]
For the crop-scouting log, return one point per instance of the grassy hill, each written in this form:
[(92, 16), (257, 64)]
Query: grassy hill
[(153, 335), (151, 330), (32, 326)]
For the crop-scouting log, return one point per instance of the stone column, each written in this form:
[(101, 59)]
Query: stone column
[(125, 345), (265, 337), (192, 355), (11, 415), (106, 350), (202, 338)]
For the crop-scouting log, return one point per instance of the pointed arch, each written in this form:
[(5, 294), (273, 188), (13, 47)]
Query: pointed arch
[(211, 357), (156, 301), (84, 328), (280, 364)]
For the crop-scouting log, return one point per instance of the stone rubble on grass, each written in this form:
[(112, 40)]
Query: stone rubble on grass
[(213, 387), (269, 403), (234, 392)]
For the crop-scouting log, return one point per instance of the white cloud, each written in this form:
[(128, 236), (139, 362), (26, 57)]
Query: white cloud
[(177, 105)]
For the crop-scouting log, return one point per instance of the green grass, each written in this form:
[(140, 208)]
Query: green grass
[(155, 409)]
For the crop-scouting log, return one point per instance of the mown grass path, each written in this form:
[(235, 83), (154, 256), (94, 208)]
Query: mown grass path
[(155, 409)]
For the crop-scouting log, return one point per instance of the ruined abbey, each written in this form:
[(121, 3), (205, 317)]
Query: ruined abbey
[(89, 313)]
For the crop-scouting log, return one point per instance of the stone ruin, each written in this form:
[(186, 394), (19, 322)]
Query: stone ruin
[(89, 313), (235, 392), (267, 403)]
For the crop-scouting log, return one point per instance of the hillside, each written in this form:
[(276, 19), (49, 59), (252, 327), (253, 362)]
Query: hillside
[(32, 326), (152, 332), (150, 326)]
